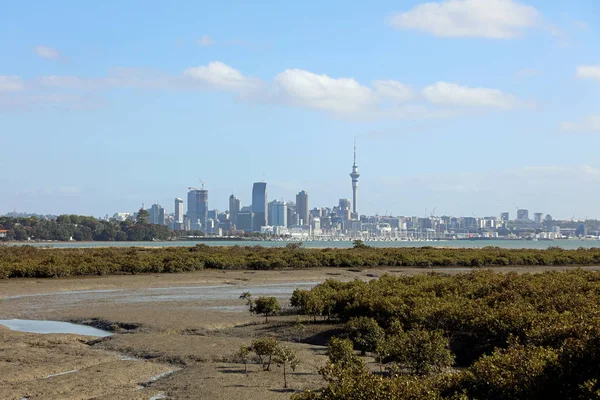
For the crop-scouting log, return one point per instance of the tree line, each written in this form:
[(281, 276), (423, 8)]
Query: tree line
[(28, 261), (82, 228)]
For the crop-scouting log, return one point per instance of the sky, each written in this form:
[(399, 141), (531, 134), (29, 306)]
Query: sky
[(468, 107)]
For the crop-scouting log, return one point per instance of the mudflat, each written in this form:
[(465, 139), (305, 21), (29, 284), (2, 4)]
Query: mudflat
[(174, 335)]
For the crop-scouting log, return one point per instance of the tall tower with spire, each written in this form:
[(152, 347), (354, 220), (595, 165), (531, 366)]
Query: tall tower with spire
[(354, 175)]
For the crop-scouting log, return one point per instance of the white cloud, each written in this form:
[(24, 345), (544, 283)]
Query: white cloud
[(451, 94), (588, 72), (338, 95), (221, 76), (590, 123), (383, 99), (48, 53), (205, 41), (494, 19), (10, 83), (393, 89)]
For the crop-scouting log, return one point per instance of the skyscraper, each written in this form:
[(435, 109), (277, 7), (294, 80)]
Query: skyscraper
[(354, 175), (157, 215), (198, 207), (234, 208), (523, 215), (302, 207), (178, 221), (279, 217), (179, 210), (259, 205)]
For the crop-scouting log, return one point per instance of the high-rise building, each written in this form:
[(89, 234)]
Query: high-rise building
[(178, 211), (302, 207), (244, 219), (504, 216), (198, 207), (522, 215), (260, 202), (234, 208), (279, 217), (344, 208), (354, 175), (537, 217), (157, 215)]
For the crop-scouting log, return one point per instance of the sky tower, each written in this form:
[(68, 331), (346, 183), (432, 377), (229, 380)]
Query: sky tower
[(354, 175)]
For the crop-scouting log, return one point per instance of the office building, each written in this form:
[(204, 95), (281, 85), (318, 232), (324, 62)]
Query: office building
[(234, 208), (302, 207), (523, 215), (504, 217), (344, 209), (259, 206), (537, 217), (198, 208), (279, 213), (157, 215), (244, 220), (178, 220)]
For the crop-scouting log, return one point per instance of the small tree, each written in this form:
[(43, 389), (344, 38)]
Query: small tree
[(265, 349), (341, 352), (243, 354), (265, 306), (420, 351), (248, 297), (365, 333), (285, 356)]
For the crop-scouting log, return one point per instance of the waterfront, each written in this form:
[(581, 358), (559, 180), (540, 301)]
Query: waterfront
[(503, 243)]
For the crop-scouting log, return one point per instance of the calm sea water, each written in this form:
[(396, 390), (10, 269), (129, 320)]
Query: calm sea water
[(508, 244)]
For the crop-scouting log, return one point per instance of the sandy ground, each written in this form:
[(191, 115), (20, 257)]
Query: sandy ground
[(188, 323)]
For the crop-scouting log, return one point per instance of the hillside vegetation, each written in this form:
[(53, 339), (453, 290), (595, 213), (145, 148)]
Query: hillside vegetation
[(28, 261)]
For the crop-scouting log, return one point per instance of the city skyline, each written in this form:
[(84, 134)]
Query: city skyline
[(495, 109)]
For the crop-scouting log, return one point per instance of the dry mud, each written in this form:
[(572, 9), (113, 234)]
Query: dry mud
[(175, 335)]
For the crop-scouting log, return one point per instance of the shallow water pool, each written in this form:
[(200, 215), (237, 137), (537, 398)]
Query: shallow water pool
[(37, 326)]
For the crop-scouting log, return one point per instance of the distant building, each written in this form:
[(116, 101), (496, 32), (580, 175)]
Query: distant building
[(178, 221), (259, 205), (537, 217), (504, 217), (523, 215), (302, 207), (581, 230), (234, 208), (198, 207), (344, 209), (157, 215), (279, 217), (244, 220), (213, 214)]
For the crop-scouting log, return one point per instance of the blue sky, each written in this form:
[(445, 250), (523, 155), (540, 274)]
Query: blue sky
[(469, 106)]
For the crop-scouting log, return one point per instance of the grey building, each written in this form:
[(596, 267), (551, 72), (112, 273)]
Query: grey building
[(157, 215), (198, 207), (302, 207), (234, 208), (260, 200), (523, 215), (279, 217)]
